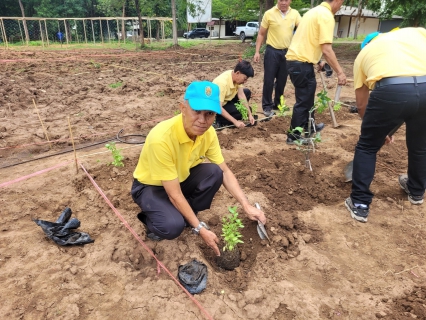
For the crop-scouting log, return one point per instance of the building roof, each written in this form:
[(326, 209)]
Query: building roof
[(353, 12)]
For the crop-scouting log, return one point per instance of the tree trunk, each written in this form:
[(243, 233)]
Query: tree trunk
[(358, 18), (269, 4), (140, 23), (175, 40), (123, 29), (157, 31), (24, 22)]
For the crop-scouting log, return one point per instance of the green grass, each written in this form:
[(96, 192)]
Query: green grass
[(116, 85), (114, 44)]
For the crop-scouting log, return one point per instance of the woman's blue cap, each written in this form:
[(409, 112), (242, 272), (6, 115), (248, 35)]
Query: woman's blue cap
[(203, 95)]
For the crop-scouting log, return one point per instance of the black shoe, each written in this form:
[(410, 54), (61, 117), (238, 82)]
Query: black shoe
[(268, 113), (357, 213), (149, 234), (318, 128), (403, 179)]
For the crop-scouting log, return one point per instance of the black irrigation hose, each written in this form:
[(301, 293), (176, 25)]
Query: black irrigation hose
[(118, 138)]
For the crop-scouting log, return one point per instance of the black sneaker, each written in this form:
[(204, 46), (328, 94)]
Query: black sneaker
[(291, 138), (357, 213), (318, 128), (403, 178)]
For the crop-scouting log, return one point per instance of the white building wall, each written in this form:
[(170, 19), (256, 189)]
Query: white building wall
[(367, 25)]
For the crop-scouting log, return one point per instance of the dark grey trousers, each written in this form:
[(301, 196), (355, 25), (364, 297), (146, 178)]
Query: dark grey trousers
[(161, 216)]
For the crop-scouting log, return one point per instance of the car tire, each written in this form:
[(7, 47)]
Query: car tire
[(191, 37), (242, 36)]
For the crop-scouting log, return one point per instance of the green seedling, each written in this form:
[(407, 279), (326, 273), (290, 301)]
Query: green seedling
[(283, 109), (116, 85), (307, 142), (254, 108), (160, 94), (96, 65), (242, 109), (116, 155), (230, 225), (176, 112)]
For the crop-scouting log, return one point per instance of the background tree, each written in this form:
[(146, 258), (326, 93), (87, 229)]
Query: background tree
[(413, 12), (27, 37)]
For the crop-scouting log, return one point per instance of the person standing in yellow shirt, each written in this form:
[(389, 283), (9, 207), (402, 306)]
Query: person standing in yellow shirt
[(171, 181), (393, 67), (278, 24), (313, 39)]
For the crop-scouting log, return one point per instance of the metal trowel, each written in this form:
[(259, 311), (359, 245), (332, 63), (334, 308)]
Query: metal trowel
[(261, 227)]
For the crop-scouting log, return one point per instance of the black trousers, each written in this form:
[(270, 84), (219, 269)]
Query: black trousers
[(232, 109), (386, 108), (275, 77), (302, 76), (162, 217)]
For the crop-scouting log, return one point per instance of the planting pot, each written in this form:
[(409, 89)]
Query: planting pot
[(229, 260)]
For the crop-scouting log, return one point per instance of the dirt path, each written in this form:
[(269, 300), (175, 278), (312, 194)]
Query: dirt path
[(320, 264)]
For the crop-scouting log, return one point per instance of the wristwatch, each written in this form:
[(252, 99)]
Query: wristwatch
[(197, 229)]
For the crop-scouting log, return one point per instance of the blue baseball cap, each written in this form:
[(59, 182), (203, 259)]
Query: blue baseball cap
[(368, 38), (203, 95)]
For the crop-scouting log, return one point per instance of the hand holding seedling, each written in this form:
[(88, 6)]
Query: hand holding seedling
[(210, 239)]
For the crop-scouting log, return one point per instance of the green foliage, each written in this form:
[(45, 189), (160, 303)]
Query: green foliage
[(230, 226), (322, 102), (283, 109), (242, 109), (116, 85), (176, 112), (413, 12), (254, 108), (95, 64), (116, 154), (250, 51)]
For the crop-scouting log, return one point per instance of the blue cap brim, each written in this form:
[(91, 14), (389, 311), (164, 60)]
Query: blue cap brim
[(205, 105)]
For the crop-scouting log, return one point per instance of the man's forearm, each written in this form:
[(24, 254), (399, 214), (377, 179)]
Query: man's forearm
[(231, 184), (331, 58), (361, 95)]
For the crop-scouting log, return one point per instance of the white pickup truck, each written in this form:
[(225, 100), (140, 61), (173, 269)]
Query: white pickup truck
[(247, 31)]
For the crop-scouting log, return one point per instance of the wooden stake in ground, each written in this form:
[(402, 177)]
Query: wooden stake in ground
[(72, 140), (330, 107), (42, 124)]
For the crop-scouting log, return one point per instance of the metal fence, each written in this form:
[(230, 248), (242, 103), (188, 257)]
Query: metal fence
[(15, 30)]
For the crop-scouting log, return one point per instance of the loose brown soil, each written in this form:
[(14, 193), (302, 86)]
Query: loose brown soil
[(320, 263)]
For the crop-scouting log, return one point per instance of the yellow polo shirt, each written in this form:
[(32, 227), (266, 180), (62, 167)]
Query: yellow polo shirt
[(227, 88), (394, 54), (280, 27), (315, 28), (169, 153)]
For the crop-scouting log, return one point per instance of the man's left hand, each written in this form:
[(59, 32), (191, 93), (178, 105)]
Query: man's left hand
[(251, 119)]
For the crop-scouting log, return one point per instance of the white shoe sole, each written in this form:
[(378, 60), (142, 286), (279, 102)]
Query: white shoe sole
[(353, 215)]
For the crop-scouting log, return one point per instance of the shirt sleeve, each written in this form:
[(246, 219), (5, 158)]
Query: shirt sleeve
[(360, 77), (214, 154), (265, 21), (326, 29), (298, 18), (161, 162)]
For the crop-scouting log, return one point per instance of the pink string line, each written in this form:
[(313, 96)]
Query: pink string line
[(159, 263), (7, 183)]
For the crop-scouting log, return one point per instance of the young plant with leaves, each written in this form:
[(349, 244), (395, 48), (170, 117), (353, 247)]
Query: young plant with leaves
[(230, 225), (116, 154), (309, 139), (283, 109), (242, 109)]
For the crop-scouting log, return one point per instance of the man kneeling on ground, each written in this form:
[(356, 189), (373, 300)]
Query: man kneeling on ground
[(171, 181), (232, 91)]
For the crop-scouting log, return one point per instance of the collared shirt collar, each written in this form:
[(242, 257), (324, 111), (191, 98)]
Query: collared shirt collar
[(326, 4)]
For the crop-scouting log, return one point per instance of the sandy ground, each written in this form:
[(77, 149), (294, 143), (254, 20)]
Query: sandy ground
[(320, 263)]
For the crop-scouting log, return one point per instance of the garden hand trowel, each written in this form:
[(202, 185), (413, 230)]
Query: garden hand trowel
[(261, 227)]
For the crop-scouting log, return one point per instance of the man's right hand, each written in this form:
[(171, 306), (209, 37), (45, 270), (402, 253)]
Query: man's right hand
[(341, 79), (239, 124), (210, 239), (256, 57)]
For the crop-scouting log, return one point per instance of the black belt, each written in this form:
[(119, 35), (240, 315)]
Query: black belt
[(400, 80), (298, 62), (284, 50)]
